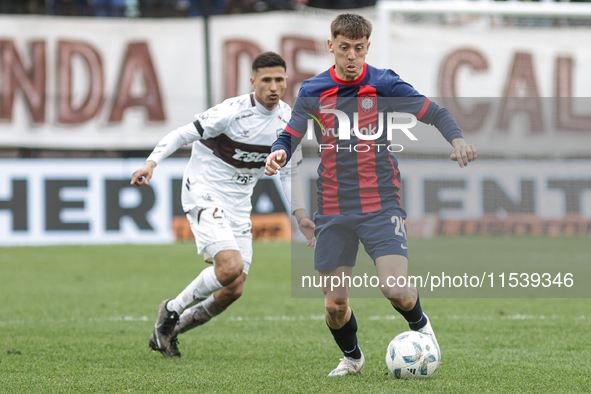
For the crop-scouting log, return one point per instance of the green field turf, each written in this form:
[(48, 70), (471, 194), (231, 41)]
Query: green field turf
[(78, 318)]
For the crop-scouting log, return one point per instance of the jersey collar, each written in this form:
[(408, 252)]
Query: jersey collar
[(344, 82)]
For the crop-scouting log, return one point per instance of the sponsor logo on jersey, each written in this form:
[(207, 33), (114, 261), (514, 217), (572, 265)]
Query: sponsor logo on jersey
[(249, 157), (319, 120), (237, 154), (243, 179)]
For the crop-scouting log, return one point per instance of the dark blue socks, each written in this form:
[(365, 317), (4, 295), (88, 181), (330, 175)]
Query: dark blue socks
[(346, 338), (415, 318)]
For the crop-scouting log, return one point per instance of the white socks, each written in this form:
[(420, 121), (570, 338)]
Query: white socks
[(203, 286), (198, 314)]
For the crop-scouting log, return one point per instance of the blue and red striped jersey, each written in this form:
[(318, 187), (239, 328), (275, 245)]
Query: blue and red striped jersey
[(358, 175)]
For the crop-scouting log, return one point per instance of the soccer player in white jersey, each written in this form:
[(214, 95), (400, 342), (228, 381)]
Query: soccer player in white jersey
[(231, 142)]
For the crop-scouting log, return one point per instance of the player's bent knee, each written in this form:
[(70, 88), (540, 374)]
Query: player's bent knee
[(236, 268), (228, 272), (337, 308), (405, 304), (395, 293)]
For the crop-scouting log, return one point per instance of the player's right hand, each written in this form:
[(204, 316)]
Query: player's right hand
[(144, 174), (463, 153), (275, 161), (307, 227)]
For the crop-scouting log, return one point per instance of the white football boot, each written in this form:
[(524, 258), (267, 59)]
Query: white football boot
[(348, 366), (427, 329)]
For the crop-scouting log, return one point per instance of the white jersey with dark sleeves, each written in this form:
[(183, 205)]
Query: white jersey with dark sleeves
[(229, 158)]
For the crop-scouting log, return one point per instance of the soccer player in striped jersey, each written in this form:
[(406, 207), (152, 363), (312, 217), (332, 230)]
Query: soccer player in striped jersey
[(230, 143), (358, 177)]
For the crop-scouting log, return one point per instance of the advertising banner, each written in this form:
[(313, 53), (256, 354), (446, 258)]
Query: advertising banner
[(92, 202), (78, 83)]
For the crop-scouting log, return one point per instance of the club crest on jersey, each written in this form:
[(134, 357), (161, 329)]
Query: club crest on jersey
[(203, 116), (366, 103)]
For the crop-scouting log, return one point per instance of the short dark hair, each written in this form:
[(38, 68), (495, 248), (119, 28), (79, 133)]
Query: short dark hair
[(268, 59), (352, 26)]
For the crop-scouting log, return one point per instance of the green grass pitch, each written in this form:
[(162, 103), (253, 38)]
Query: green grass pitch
[(77, 319)]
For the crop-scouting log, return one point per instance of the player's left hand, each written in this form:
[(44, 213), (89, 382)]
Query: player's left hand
[(307, 227), (275, 161), (463, 153), (144, 174)]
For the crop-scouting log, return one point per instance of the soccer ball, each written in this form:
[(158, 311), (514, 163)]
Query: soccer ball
[(412, 355)]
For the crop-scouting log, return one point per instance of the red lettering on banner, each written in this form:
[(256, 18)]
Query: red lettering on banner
[(521, 93), (566, 119), (291, 48), (467, 120), (29, 81), (138, 60), (522, 84), (67, 112), (233, 49)]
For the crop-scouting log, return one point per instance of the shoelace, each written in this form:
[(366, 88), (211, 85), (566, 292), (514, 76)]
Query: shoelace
[(173, 348), (347, 363), (170, 322)]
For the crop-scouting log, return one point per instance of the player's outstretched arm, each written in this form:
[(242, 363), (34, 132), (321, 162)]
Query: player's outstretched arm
[(275, 161), (463, 153), (167, 145), (306, 226), (144, 174)]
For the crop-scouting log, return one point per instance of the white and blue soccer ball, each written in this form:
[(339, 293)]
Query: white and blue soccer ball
[(412, 355)]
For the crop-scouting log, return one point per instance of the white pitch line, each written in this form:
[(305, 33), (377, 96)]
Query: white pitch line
[(398, 317), (285, 318), (77, 320)]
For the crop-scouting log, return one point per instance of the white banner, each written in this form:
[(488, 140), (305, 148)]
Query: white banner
[(87, 83), (91, 201), (94, 83), (82, 201), (544, 189)]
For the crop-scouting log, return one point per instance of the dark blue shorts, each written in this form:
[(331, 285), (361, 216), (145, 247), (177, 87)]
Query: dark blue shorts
[(382, 233)]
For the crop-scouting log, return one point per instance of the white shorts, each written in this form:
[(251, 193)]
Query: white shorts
[(214, 232)]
